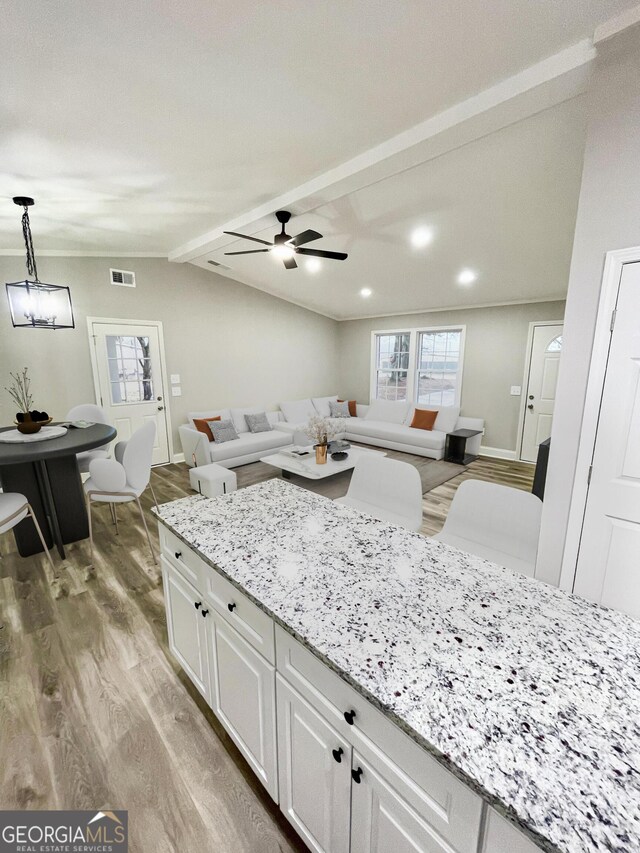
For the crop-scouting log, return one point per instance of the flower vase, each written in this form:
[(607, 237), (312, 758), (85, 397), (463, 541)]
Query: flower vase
[(321, 454)]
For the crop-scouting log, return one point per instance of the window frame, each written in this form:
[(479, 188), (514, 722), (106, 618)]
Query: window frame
[(413, 369)]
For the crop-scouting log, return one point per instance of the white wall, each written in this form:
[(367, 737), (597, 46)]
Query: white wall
[(494, 359), (608, 218), (231, 344)]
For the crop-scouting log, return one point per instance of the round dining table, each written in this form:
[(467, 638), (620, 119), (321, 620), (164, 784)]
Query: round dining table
[(47, 473)]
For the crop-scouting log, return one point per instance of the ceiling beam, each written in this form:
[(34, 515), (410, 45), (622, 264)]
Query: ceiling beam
[(554, 80)]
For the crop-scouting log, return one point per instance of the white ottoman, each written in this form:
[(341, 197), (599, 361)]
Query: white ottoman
[(212, 480)]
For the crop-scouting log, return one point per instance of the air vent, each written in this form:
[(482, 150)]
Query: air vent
[(123, 278), (218, 264)]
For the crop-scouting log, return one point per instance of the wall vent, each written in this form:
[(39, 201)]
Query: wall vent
[(219, 265), (123, 278)]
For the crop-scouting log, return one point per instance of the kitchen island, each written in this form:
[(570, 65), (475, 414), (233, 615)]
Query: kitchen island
[(518, 695)]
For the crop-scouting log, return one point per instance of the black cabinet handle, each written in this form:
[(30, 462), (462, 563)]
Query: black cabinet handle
[(337, 754), (178, 555), (349, 716), (231, 607), (197, 604), (204, 612), (356, 774)]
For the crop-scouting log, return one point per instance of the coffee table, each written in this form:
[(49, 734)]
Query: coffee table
[(305, 466)]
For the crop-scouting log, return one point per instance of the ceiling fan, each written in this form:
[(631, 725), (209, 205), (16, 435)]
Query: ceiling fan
[(287, 247)]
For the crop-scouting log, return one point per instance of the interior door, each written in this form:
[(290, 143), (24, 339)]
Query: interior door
[(131, 381), (608, 568), (546, 347), (314, 767)]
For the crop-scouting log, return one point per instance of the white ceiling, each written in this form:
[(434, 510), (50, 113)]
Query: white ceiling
[(503, 206), (137, 126)]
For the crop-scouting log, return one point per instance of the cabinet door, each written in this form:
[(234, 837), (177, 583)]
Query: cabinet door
[(186, 627), (314, 783), (382, 821), (243, 698)]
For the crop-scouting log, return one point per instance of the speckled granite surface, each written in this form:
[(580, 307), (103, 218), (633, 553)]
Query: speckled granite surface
[(529, 694)]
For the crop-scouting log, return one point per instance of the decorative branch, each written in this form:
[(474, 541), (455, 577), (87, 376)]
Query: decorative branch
[(322, 430), (20, 390)]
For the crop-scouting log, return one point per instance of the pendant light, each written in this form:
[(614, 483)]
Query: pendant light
[(34, 304)]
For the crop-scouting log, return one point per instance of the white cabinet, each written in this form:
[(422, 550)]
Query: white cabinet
[(502, 837), (186, 627), (314, 764), (243, 698), (382, 821)]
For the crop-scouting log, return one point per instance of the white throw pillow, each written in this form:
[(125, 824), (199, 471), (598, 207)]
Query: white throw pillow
[(298, 411), (237, 416), (322, 405), (223, 414), (389, 411)]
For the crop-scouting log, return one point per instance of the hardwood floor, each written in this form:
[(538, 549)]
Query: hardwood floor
[(95, 713)]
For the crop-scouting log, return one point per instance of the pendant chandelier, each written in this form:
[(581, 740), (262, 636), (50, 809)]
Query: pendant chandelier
[(34, 304)]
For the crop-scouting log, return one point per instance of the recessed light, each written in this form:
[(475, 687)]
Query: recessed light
[(314, 265), (366, 291), (421, 237), (467, 276)]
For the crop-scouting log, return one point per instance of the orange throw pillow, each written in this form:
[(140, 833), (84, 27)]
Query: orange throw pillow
[(352, 407), (424, 419), (202, 425)]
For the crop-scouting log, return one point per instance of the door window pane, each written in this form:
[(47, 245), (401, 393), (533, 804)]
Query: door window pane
[(130, 371), (555, 345), (439, 368)]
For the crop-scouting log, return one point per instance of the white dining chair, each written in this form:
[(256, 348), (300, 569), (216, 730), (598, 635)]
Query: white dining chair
[(387, 489), (495, 522), (124, 478), (14, 507), (95, 415)]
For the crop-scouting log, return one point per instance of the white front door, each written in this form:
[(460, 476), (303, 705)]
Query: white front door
[(608, 569), (130, 381), (540, 391)]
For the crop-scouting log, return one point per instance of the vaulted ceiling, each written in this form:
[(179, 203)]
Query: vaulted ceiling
[(140, 126)]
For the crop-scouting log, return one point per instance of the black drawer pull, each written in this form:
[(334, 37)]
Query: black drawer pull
[(231, 607), (204, 612), (356, 774), (197, 604), (337, 754), (178, 555), (349, 716)]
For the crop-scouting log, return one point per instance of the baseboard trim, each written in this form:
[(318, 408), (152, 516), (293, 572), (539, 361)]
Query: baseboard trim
[(178, 457), (497, 452)]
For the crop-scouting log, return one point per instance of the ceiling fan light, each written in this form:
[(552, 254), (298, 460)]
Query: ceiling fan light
[(282, 251)]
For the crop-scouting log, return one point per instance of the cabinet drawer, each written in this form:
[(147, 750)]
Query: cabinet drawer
[(445, 803), (181, 556), (248, 620)]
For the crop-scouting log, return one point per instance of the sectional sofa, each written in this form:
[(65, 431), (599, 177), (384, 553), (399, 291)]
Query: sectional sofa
[(384, 423)]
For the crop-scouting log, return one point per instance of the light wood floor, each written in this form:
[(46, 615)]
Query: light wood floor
[(94, 712)]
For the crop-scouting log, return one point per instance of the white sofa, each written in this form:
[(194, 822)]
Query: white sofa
[(387, 424), (248, 447)]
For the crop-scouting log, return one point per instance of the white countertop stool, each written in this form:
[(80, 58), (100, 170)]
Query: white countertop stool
[(213, 480)]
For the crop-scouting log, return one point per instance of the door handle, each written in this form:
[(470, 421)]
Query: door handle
[(530, 406), (337, 754), (356, 774), (160, 408), (204, 613), (197, 604)]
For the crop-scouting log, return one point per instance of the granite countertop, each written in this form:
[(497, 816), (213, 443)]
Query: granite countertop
[(528, 694)]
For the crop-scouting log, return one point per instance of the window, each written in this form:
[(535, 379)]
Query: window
[(419, 365), (438, 367), (555, 345), (392, 366), (129, 369)]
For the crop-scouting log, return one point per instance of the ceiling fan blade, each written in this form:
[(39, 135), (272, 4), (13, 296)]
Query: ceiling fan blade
[(247, 252), (320, 253), (246, 237), (289, 263), (304, 237)]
